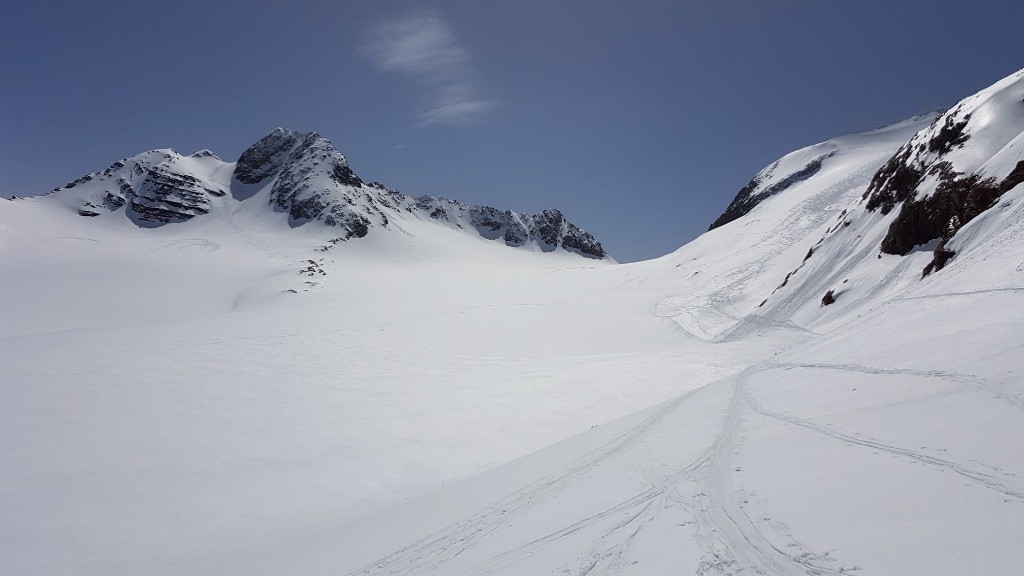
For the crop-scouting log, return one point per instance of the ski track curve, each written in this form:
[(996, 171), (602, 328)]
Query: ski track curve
[(1003, 393), (985, 480), (731, 543)]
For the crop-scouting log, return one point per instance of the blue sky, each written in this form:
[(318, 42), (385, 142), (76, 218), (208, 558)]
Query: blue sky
[(639, 120)]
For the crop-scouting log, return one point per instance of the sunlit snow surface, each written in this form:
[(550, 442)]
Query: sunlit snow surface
[(199, 398)]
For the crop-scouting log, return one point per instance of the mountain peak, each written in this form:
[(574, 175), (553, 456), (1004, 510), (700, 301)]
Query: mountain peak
[(266, 156)]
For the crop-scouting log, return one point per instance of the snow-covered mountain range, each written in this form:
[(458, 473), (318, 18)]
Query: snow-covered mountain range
[(304, 176), (226, 381)]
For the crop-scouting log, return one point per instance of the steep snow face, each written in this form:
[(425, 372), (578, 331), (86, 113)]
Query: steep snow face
[(266, 157), (778, 176), (950, 181), (725, 276), (306, 177), (797, 167), (953, 170), (837, 211)]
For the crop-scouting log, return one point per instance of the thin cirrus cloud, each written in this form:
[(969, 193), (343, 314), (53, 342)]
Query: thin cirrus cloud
[(423, 46)]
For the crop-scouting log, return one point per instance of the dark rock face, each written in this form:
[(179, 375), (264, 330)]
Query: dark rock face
[(549, 229), (344, 175), (549, 226), (166, 196), (266, 157), (950, 135), (829, 298), (894, 182), (154, 187), (554, 230), (741, 205), (939, 258), (753, 194), (898, 179), (114, 200), (315, 183), (957, 200), (583, 243), (957, 197), (493, 224), (1015, 177)]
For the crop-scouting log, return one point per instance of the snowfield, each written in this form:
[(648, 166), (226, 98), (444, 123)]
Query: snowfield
[(235, 394)]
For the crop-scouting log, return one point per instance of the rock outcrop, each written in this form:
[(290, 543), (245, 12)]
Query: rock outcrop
[(951, 172), (155, 188)]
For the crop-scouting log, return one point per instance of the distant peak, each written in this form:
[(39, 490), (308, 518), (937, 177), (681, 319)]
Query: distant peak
[(305, 176)]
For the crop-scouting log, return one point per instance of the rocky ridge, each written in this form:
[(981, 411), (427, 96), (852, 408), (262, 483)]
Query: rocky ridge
[(312, 181), (304, 176)]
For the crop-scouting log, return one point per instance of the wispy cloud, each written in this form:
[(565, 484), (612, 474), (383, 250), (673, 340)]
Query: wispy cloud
[(423, 46)]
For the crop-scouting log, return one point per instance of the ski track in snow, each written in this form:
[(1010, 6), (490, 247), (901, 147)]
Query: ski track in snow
[(740, 544), (436, 550), (1010, 289), (985, 480), (981, 478), (188, 246), (732, 543), (268, 248), (1003, 393)]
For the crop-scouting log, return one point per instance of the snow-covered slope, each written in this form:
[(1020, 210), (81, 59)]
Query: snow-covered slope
[(725, 275), (805, 164), (233, 394), (946, 192), (174, 394)]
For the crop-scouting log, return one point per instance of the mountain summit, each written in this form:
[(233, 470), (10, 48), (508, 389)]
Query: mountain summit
[(304, 176)]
